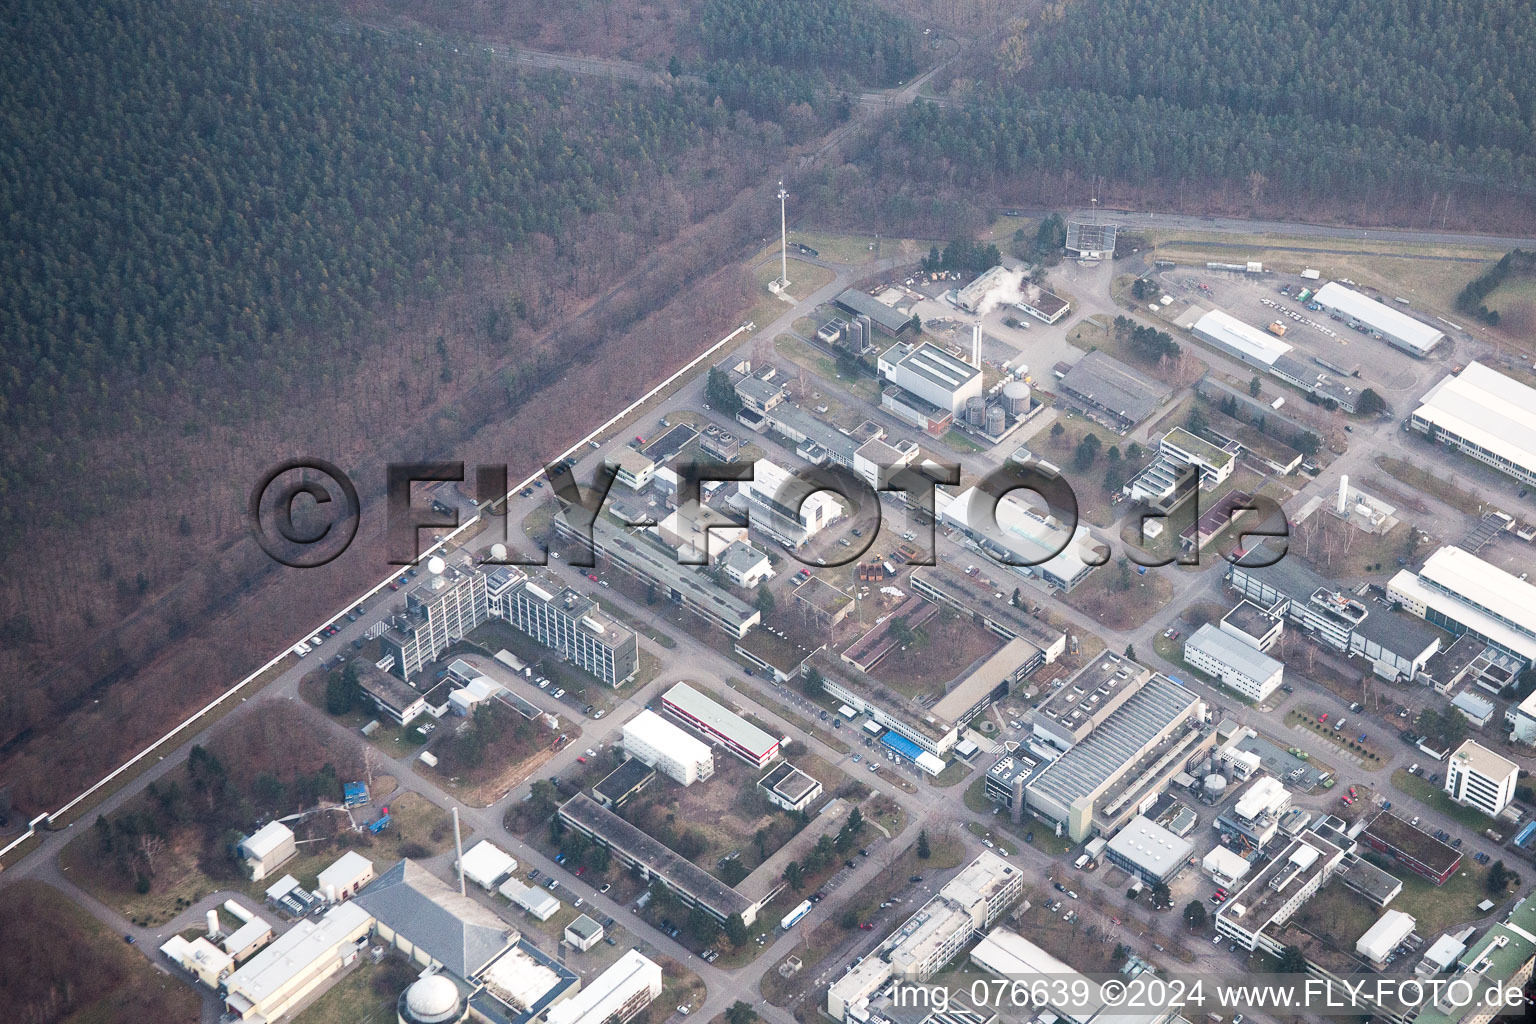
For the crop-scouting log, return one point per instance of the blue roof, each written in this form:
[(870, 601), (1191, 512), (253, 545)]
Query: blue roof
[(901, 745)]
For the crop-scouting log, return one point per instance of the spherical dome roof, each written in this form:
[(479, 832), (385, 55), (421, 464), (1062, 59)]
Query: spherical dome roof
[(432, 998)]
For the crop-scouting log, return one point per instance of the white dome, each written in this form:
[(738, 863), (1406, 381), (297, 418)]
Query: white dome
[(432, 998)]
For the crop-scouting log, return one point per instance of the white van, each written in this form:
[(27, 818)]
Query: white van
[(301, 648)]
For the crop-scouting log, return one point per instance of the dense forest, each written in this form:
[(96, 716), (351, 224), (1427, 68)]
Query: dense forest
[(241, 233), (1456, 73), (187, 191), (1316, 98), (837, 37)]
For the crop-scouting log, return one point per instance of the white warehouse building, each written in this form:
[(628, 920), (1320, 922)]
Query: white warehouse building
[(1484, 414), (1240, 666), (1462, 593), (652, 739), (1397, 328), (931, 374)]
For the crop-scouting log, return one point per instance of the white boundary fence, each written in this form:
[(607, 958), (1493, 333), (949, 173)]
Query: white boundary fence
[(47, 820)]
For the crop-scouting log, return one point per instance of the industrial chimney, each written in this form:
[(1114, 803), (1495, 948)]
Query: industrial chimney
[(458, 843), (976, 344)]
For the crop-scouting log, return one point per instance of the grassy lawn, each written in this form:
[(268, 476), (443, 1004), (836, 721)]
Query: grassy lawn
[(1095, 502), (1421, 478), (980, 831), (1428, 793), (953, 774), (1438, 907), (1118, 602), (396, 741), (837, 247), (354, 999), (1339, 549), (960, 443)]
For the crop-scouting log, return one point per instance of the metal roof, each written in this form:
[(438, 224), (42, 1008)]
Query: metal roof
[(888, 318), (454, 930), (939, 367), (1223, 329), (1506, 597), (1111, 384), (1148, 713), (1416, 334), (723, 721), (1487, 409), (1150, 847), (295, 952), (1233, 652)]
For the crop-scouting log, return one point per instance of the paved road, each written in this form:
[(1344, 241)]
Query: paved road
[(928, 807)]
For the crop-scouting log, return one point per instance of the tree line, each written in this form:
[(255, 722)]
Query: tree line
[(1455, 74), (1472, 300), (840, 37), (192, 188)]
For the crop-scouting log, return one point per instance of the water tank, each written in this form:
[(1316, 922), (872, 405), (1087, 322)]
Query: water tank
[(976, 411), (1016, 397), (236, 910), (431, 999), (996, 420), (213, 924), (1215, 785)]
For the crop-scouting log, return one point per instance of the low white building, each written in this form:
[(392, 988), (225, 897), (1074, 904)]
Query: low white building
[(486, 864), (1225, 867), (346, 876), (275, 980), (614, 996), (267, 848), (1479, 778), (200, 958), (583, 933), (540, 904), (657, 742), (1244, 668), (1381, 938)]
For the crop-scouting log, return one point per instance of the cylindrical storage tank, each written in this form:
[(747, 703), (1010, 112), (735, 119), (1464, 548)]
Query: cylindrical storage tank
[(237, 911), (213, 923), (996, 420), (1215, 785), (976, 411), (1016, 397)]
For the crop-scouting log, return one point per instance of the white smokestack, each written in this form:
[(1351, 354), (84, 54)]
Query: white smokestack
[(458, 843), (976, 344), (1343, 493), (213, 924)]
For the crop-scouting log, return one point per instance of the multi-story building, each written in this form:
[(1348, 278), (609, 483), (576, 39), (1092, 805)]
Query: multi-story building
[(1462, 593), (1179, 450), (654, 741), (438, 611), (392, 697), (931, 374), (295, 964), (720, 725), (778, 506), (567, 622), (1396, 645), (634, 470), (1238, 665), (1411, 846), (614, 996), (788, 787), (1477, 777), (645, 558), (1497, 964), (744, 565), (1252, 915), (969, 903), (1115, 760)]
